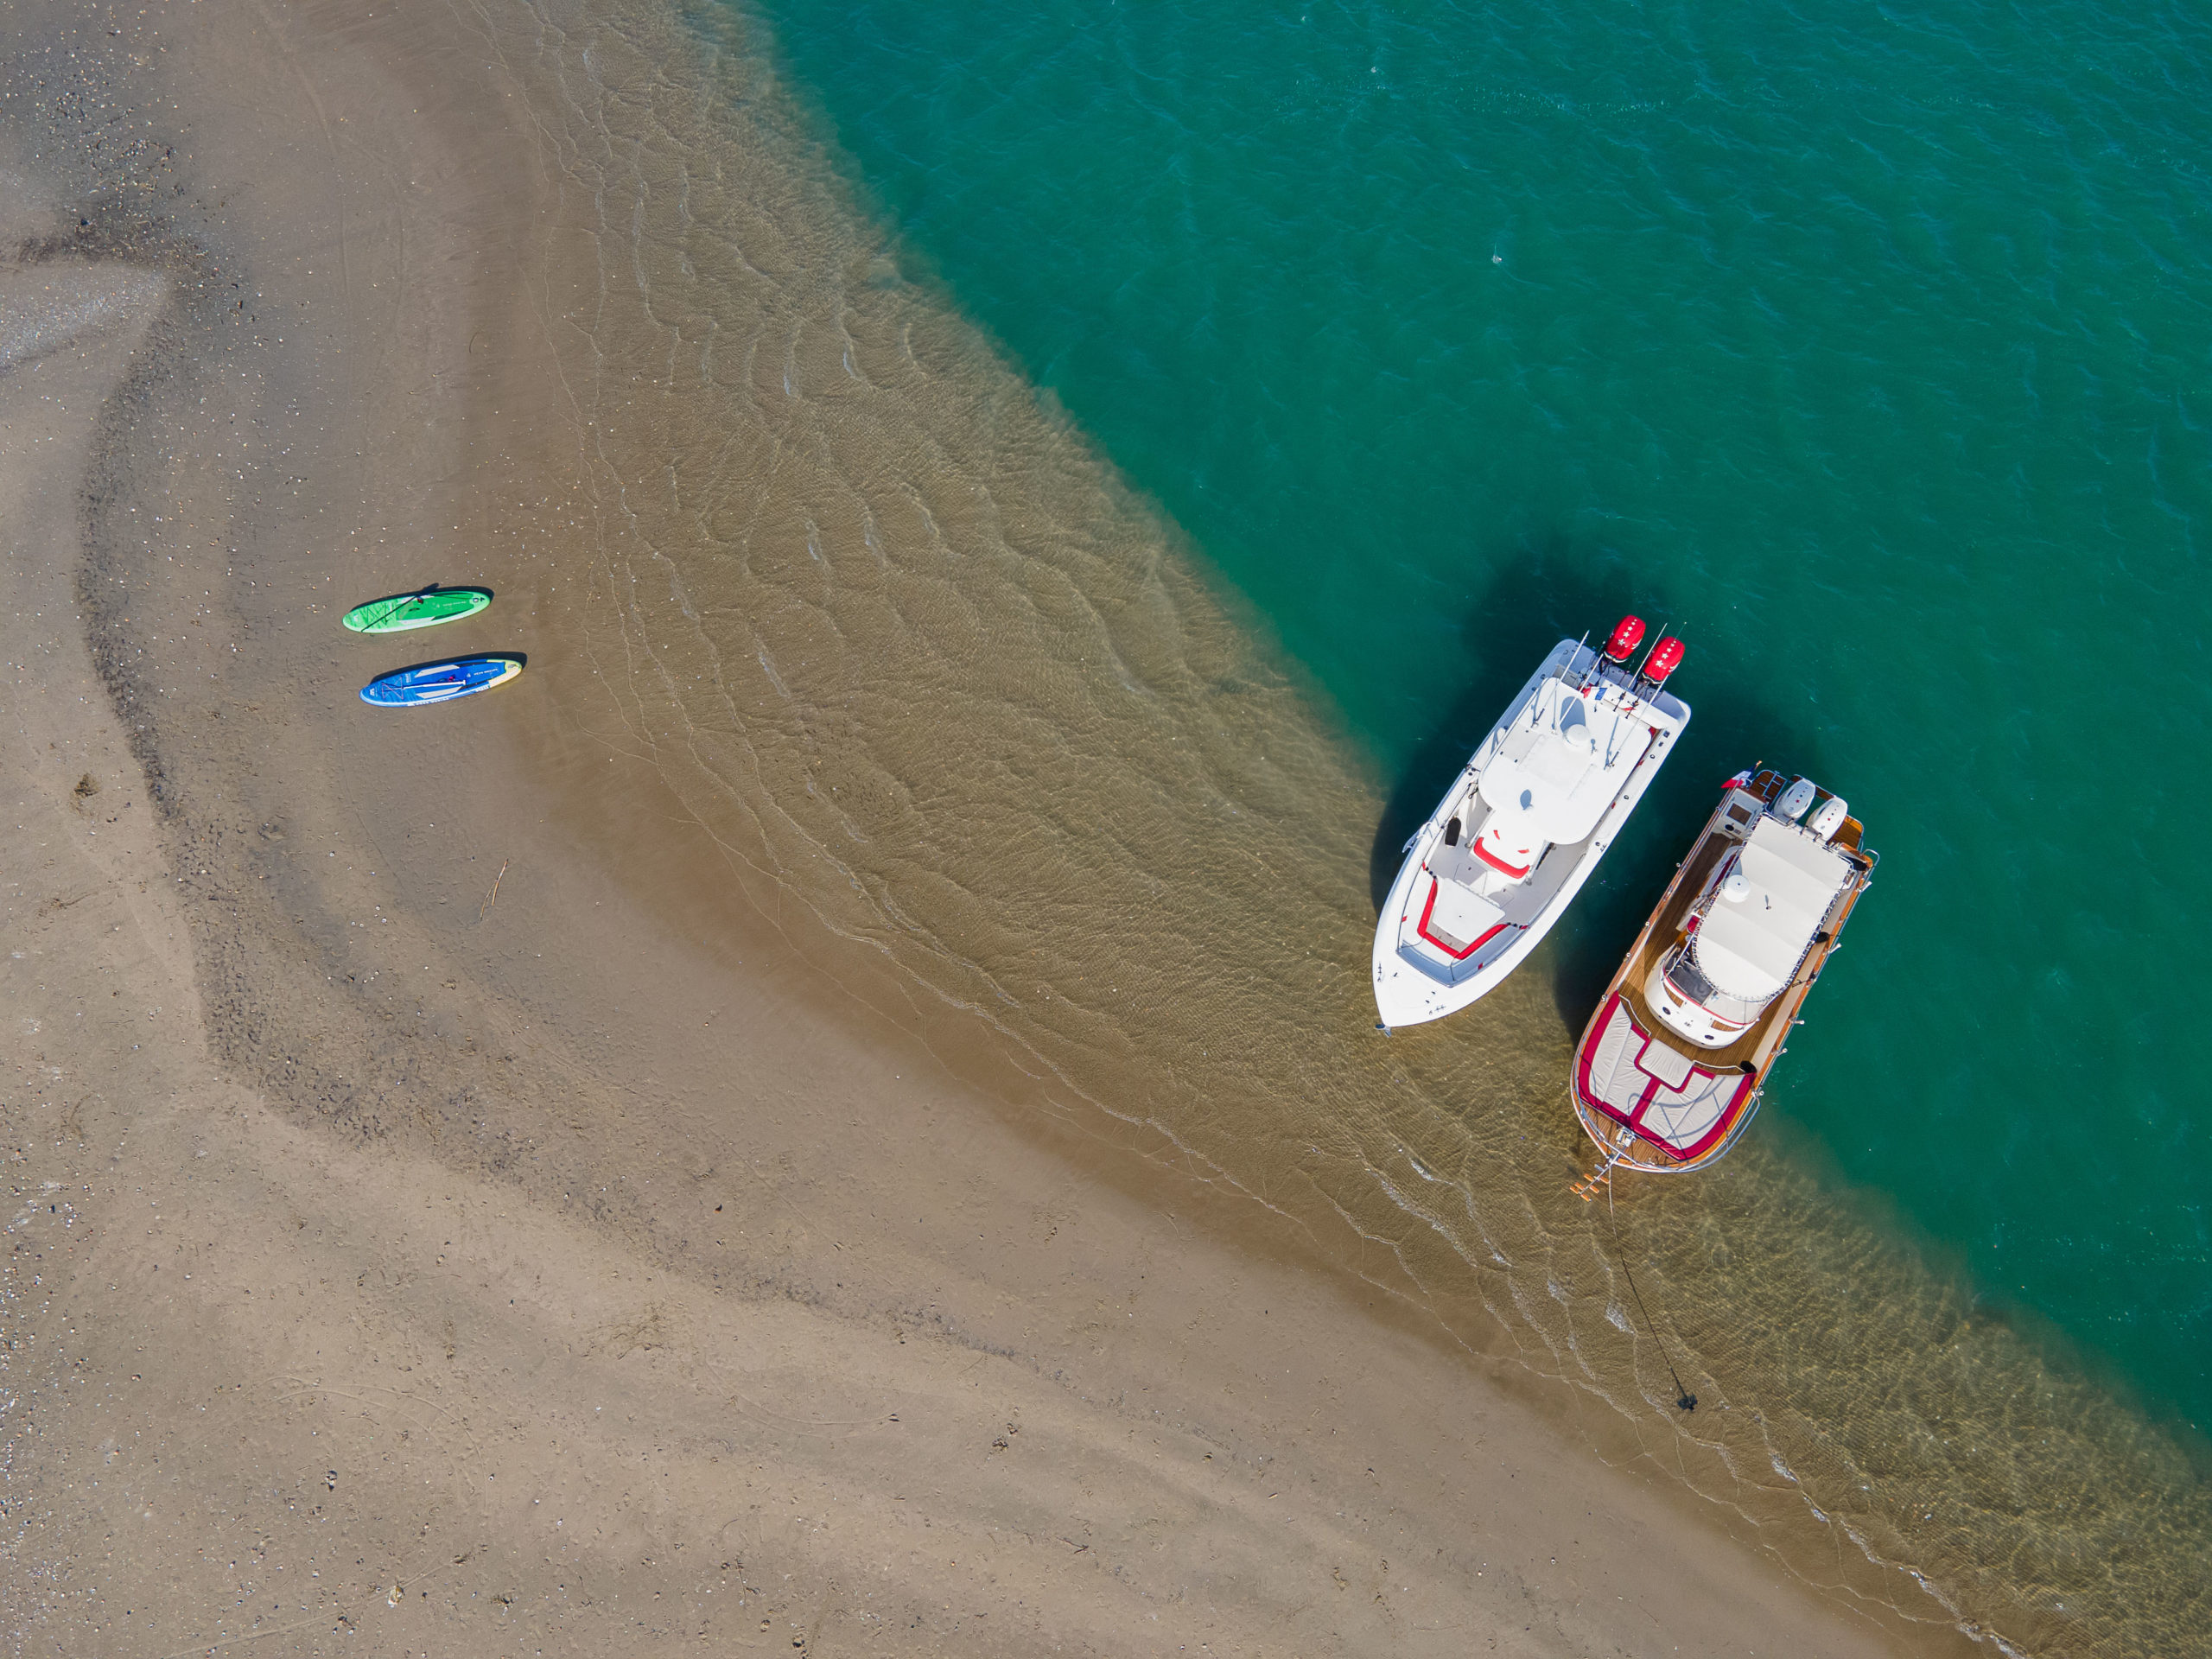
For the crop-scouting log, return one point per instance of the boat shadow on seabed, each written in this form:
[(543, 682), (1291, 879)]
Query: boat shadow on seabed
[(1547, 592)]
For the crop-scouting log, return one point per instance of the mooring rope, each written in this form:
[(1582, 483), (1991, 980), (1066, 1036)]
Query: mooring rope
[(1683, 1398)]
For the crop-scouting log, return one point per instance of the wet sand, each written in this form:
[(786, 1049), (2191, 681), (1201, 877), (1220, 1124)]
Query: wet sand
[(433, 1233)]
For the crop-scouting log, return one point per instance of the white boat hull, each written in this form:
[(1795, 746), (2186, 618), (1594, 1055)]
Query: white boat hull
[(1457, 921)]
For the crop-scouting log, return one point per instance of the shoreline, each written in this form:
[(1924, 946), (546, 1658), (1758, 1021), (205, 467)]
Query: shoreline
[(445, 1209)]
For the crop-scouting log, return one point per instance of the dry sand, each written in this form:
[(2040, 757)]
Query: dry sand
[(394, 1268)]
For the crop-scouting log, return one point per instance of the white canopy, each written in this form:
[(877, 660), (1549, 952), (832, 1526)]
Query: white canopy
[(1749, 947), (1550, 783)]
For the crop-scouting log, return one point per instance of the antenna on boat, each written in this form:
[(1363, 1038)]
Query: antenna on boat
[(1535, 702)]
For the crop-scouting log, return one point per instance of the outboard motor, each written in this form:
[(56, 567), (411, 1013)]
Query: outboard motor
[(1829, 819), (1628, 634), (1666, 656), (1795, 798)]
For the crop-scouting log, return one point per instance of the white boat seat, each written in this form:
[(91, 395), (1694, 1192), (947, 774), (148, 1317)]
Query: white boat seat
[(1456, 918), (1649, 1083), (1509, 844), (1670, 1065)]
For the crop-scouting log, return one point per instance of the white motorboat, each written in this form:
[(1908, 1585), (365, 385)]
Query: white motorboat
[(1521, 829)]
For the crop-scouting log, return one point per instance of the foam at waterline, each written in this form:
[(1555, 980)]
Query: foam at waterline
[(896, 636)]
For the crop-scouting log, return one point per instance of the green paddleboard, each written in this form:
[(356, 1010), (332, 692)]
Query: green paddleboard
[(419, 610)]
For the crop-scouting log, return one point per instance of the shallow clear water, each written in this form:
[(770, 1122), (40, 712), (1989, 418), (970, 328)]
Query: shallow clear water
[(1866, 344), (918, 660)]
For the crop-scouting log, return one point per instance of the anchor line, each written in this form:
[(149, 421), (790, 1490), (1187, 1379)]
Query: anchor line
[(1684, 1400)]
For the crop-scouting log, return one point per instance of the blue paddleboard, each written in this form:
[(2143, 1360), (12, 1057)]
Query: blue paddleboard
[(461, 677)]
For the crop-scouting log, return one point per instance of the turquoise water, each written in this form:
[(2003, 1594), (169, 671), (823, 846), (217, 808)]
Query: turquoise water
[(1866, 344)]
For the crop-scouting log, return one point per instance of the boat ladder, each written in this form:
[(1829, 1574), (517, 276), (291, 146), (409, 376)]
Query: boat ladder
[(1600, 1179)]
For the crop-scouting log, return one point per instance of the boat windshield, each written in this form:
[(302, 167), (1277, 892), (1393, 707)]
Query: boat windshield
[(1690, 984)]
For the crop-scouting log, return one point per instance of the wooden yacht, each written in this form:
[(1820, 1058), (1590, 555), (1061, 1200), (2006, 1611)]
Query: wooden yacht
[(1669, 1072), (1524, 823)]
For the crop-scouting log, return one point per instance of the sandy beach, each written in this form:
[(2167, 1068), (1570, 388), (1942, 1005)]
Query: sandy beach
[(445, 1220)]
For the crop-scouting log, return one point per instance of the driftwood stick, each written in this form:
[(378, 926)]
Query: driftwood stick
[(492, 898)]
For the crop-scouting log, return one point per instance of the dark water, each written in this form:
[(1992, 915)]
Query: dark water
[(1869, 345)]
